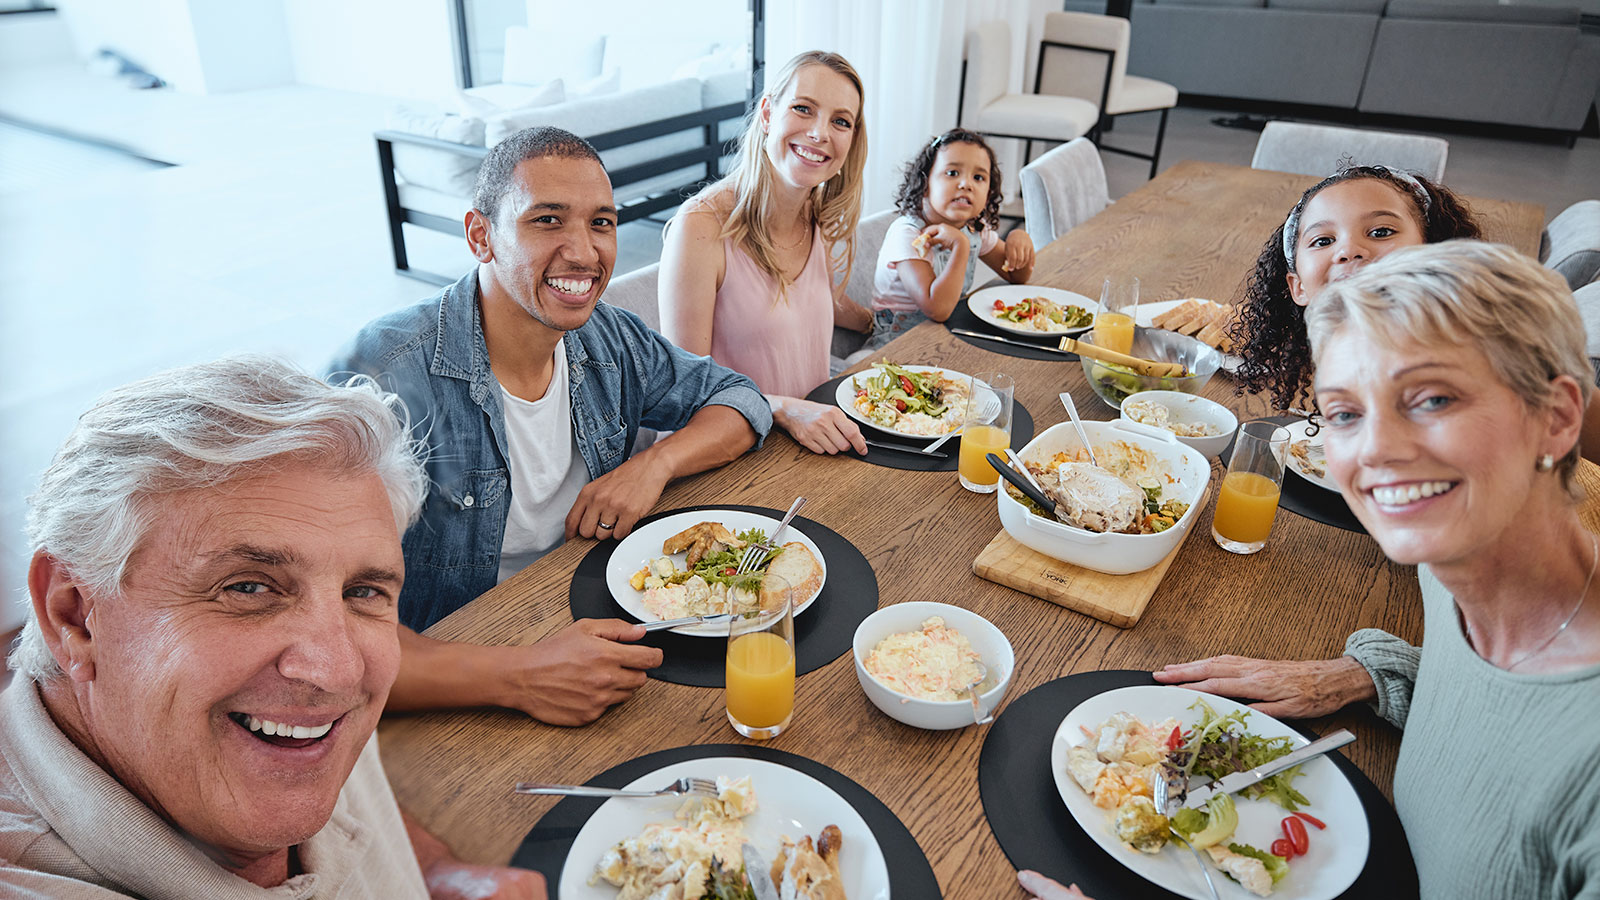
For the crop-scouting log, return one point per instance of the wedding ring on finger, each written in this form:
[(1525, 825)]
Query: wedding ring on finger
[(607, 527)]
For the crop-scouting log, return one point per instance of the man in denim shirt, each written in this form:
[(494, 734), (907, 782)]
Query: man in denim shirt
[(529, 394)]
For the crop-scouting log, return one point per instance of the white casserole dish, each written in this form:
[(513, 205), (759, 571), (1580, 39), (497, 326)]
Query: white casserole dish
[(1114, 554)]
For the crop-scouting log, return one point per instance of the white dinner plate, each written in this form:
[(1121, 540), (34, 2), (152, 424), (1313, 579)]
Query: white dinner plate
[(982, 305), (1297, 432), (789, 802), (1148, 311), (1336, 856), (845, 396), (644, 544)]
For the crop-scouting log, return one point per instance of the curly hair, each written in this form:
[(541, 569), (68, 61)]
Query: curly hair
[(1270, 330), (914, 186)]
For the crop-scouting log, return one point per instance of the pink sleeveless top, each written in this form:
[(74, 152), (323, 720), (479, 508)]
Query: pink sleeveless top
[(781, 344)]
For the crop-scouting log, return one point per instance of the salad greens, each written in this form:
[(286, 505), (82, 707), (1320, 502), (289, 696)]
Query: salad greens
[(1025, 311), (1117, 383), (722, 567), (725, 884), (1211, 826), (892, 390), (1220, 745)]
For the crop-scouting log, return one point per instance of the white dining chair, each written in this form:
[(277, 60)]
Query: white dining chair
[(1570, 244), (1062, 189), (863, 269), (1085, 55), (1319, 149), (987, 107), (636, 292)]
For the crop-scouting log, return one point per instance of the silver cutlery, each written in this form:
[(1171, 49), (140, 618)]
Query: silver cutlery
[(1005, 340), (757, 553), (714, 619), (978, 718), (755, 868), (1238, 781), (903, 448), (929, 450), (1077, 424), (1023, 469), (1166, 807), (703, 787)]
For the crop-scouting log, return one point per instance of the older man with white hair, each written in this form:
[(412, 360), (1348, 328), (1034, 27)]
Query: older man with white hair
[(214, 585)]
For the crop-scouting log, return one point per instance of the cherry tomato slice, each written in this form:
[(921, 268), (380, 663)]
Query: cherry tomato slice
[(730, 570), (999, 306), (1313, 820), (908, 386), (1282, 847), (1295, 831), (1175, 739), (900, 405)]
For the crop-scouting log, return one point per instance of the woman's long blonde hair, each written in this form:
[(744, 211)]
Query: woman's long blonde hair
[(835, 204)]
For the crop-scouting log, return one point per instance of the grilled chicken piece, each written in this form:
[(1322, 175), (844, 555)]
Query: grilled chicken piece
[(700, 540), (1093, 499), (801, 873)]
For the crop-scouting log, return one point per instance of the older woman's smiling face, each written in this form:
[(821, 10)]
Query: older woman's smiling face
[(1435, 455), (238, 676)]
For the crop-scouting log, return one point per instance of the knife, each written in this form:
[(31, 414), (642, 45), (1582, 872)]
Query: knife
[(755, 869), (905, 448), (1005, 340), (1238, 781), (688, 620)]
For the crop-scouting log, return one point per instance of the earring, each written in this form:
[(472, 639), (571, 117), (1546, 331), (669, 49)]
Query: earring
[(1546, 463)]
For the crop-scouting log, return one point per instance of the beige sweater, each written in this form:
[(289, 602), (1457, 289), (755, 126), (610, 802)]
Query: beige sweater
[(1498, 781)]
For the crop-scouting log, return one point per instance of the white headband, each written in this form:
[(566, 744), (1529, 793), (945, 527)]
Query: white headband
[(1291, 225)]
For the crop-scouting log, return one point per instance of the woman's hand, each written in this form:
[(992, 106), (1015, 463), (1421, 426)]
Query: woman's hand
[(1042, 888), (820, 427), (1291, 689), (1019, 252)]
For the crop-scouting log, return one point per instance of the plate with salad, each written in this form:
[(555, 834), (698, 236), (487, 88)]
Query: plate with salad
[(1300, 835), (908, 401), (1031, 310), (649, 576)]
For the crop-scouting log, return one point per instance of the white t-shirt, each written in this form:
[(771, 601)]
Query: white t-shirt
[(547, 471), (888, 292)]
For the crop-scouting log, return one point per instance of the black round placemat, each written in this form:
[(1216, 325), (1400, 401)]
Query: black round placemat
[(546, 846), (1303, 498), (963, 317), (1036, 831), (822, 634), (911, 461)]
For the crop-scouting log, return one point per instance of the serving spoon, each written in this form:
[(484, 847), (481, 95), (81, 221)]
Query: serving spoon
[(1077, 423)]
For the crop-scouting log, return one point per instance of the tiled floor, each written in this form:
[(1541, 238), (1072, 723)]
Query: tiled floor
[(269, 236)]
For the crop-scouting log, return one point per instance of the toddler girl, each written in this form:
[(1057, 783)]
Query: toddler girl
[(949, 206)]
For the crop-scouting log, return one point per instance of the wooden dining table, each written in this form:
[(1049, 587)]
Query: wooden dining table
[(1193, 231)]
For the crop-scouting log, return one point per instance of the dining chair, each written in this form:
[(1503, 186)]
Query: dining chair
[(1318, 150), (870, 233), (986, 106), (1085, 55), (636, 292), (1063, 188), (1570, 244)]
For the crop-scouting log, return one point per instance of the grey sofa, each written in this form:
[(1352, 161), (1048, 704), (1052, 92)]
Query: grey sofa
[(1524, 64)]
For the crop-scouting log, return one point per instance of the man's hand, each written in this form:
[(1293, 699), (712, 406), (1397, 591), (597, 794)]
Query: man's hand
[(609, 506), (819, 427), (1291, 689), (452, 879), (1042, 888), (576, 674)]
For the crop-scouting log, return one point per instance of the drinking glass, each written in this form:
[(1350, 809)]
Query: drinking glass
[(760, 673), (1247, 502), (1119, 303), (985, 429)]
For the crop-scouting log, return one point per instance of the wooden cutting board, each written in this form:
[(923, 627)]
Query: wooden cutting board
[(1115, 599)]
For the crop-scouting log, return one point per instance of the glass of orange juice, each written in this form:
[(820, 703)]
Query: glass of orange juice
[(985, 429), (1247, 502), (760, 673), (1119, 304)]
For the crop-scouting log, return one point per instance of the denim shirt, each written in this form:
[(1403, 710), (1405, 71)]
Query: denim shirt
[(622, 376)]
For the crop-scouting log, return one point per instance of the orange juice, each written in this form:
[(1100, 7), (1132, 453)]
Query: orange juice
[(977, 440), (760, 679), (1246, 505), (1114, 331)]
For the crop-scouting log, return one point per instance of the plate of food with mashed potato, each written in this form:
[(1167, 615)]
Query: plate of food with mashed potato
[(906, 401), (686, 564), (813, 842)]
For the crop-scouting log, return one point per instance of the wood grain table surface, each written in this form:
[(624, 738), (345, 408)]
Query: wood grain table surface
[(1192, 231)]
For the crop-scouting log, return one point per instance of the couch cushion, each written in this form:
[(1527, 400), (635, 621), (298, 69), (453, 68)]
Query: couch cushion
[(1234, 3), (432, 168), (531, 59), (1483, 12), (491, 99), (1372, 7), (599, 86)]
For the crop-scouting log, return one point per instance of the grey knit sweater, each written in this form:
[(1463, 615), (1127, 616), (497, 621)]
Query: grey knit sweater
[(1498, 780)]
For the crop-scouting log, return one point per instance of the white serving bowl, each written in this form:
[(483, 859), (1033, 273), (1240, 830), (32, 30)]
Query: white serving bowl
[(936, 715), (1191, 410), (1114, 554)]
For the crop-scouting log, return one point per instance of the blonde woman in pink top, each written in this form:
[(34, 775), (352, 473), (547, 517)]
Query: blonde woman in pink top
[(753, 268)]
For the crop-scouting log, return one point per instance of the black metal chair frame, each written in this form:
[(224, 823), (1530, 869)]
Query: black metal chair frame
[(1104, 125), (709, 154)]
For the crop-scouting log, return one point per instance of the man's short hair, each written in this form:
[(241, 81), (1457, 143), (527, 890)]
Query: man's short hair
[(494, 175), (198, 427)]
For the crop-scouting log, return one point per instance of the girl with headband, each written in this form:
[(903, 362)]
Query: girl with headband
[(1355, 216)]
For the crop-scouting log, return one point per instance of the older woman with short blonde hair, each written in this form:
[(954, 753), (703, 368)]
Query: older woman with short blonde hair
[(1452, 379)]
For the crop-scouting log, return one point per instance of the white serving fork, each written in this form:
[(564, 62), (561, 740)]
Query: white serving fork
[(757, 552), (702, 787)]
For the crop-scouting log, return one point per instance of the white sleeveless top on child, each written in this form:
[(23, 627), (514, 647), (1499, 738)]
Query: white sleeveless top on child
[(547, 471), (888, 292)]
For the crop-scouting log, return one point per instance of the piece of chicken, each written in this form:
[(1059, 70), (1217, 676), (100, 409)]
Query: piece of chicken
[(1093, 499), (801, 873), (701, 540)]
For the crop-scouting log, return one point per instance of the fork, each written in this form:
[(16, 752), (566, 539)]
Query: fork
[(758, 552), (1158, 789), (700, 787)]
